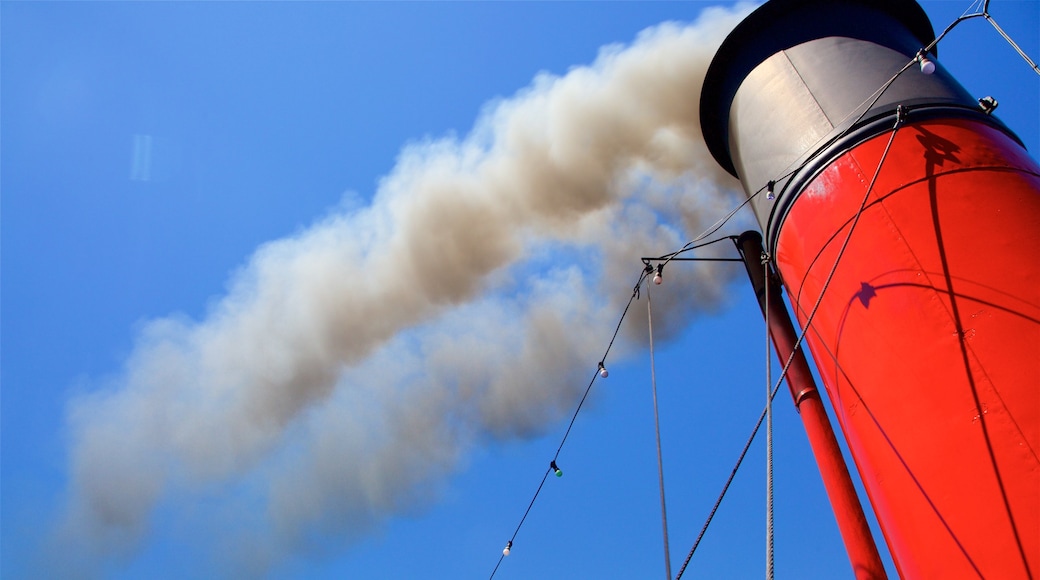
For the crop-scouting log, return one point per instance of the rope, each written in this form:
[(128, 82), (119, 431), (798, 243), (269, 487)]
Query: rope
[(644, 274), (900, 117), (1014, 45), (711, 230), (657, 429), (769, 429), (767, 413), (984, 13), (725, 488)]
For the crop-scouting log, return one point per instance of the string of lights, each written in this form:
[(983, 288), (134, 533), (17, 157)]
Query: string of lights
[(692, 244), (601, 370), (900, 117), (926, 67)]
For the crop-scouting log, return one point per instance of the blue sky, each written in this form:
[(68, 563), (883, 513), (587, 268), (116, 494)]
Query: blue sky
[(162, 162)]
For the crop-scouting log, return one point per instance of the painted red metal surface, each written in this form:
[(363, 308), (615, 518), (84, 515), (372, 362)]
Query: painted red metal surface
[(848, 512), (928, 338)]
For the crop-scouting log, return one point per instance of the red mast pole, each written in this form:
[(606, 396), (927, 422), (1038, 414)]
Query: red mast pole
[(901, 216), (852, 523)]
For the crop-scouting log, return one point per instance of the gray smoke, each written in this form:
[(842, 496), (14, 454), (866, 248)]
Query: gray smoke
[(349, 368)]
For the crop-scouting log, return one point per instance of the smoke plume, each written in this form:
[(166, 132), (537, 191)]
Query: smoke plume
[(352, 365)]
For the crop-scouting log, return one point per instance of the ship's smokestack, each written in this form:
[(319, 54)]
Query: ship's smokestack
[(895, 211)]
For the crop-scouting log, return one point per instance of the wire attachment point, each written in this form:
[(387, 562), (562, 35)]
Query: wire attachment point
[(988, 105), (900, 114)]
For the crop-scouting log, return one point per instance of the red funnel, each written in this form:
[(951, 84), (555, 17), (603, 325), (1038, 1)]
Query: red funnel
[(909, 234)]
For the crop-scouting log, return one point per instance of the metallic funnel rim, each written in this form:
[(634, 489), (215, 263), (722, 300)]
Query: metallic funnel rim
[(769, 30)]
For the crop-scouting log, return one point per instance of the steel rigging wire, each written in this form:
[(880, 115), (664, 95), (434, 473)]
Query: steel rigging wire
[(601, 371), (900, 117), (769, 426), (665, 259), (657, 429)]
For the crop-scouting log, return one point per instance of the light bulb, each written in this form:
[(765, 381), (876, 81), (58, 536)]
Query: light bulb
[(509, 546), (658, 279), (769, 190), (603, 371), (556, 470), (927, 66)]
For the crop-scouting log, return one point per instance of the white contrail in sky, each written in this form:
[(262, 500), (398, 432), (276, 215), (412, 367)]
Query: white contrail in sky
[(349, 366)]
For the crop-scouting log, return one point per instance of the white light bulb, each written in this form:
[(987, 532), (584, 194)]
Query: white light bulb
[(509, 546), (927, 66), (603, 371), (658, 279)]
